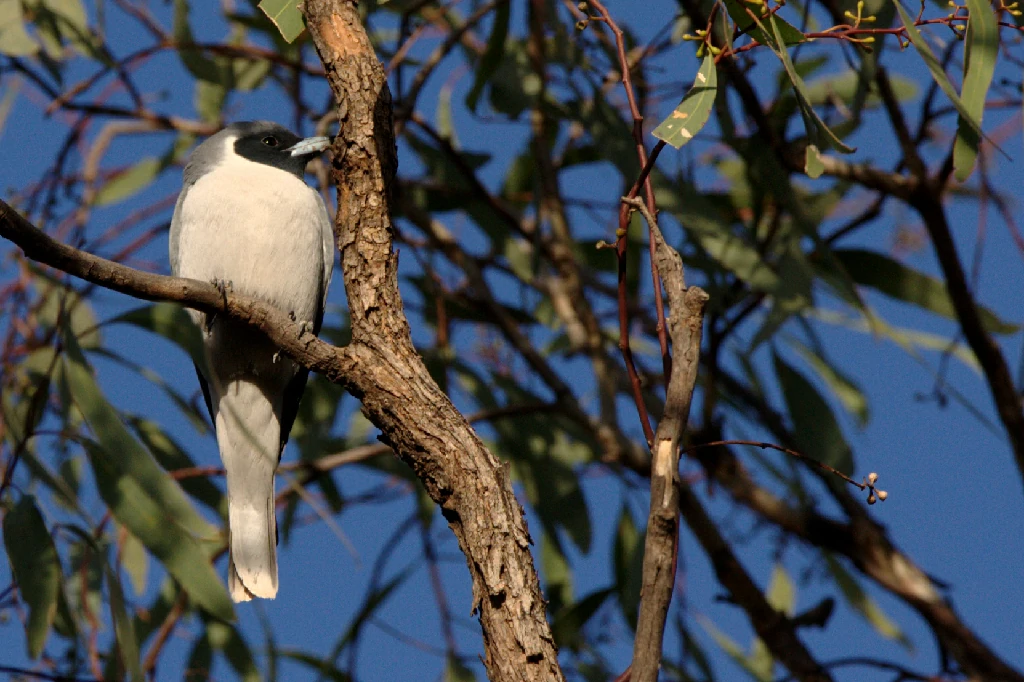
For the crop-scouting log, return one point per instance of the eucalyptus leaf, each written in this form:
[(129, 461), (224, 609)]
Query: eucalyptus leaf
[(124, 628), (286, 16), (493, 53), (14, 39), (142, 496), (693, 112), (981, 50), (815, 428), (129, 182), (899, 281), (35, 566), (628, 555), (935, 67), (864, 605)]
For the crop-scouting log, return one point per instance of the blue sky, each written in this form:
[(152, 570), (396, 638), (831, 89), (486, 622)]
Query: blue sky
[(955, 501)]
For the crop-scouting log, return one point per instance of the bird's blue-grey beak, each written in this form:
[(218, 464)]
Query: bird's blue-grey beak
[(310, 145)]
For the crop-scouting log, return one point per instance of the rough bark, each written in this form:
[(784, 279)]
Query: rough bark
[(380, 366), (685, 326), (397, 393)]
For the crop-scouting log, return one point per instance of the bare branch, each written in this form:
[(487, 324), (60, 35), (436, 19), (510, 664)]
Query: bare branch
[(684, 326)]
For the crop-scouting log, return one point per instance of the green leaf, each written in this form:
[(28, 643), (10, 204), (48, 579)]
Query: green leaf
[(818, 134), (227, 639), (200, 66), (864, 604), (781, 593), (693, 112), (36, 568), (812, 162), (124, 628), (629, 564), (755, 29), (14, 39), (935, 67), (135, 562), (753, 663), (843, 387), (66, 20), (129, 182), (200, 660), (171, 456), (567, 625), (557, 573), (286, 16), (456, 671), (493, 53), (899, 281), (141, 495), (209, 99), (325, 668), (172, 322), (815, 428), (980, 53)]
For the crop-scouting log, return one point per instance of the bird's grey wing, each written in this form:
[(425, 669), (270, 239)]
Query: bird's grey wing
[(174, 238), (327, 242), (296, 387), (292, 399), (207, 398)]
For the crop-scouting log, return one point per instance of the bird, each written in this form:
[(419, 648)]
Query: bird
[(247, 221)]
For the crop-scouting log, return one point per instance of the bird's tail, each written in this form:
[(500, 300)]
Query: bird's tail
[(249, 437)]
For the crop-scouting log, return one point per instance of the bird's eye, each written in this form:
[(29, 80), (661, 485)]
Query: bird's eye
[(270, 141)]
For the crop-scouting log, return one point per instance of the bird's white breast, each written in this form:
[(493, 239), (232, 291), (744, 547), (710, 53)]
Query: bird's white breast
[(259, 228)]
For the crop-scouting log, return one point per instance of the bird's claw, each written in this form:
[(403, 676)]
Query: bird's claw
[(224, 286)]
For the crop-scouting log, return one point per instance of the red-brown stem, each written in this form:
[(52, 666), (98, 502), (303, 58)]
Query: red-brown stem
[(641, 153)]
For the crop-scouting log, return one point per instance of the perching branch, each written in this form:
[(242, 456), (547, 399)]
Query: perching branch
[(380, 366)]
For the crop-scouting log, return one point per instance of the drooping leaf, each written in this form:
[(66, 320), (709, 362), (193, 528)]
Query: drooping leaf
[(842, 386), (197, 64), (228, 640), (817, 432), (629, 563), (557, 573), (980, 52), (124, 629), (129, 182), (171, 456), (935, 67), (135, 562), (567, 625), (493, 53), (753, 663), (899, 281), (142, 496), (457, 671), (781, 592), (170, 321), (819, 135), (864, 605), (36, 569), (324, 668), (14, 39), (286, 16), (60, 21), (693, 112), (789, 34)]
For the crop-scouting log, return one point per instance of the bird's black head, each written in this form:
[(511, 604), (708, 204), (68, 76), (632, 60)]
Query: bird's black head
[(273, 145)]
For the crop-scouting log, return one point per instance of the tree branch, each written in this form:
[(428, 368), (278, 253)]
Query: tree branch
[(380, 367), (398, 395), (684, 326)]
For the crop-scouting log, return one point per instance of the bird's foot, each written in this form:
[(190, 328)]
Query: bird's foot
[(305, 326), (224, 286)]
